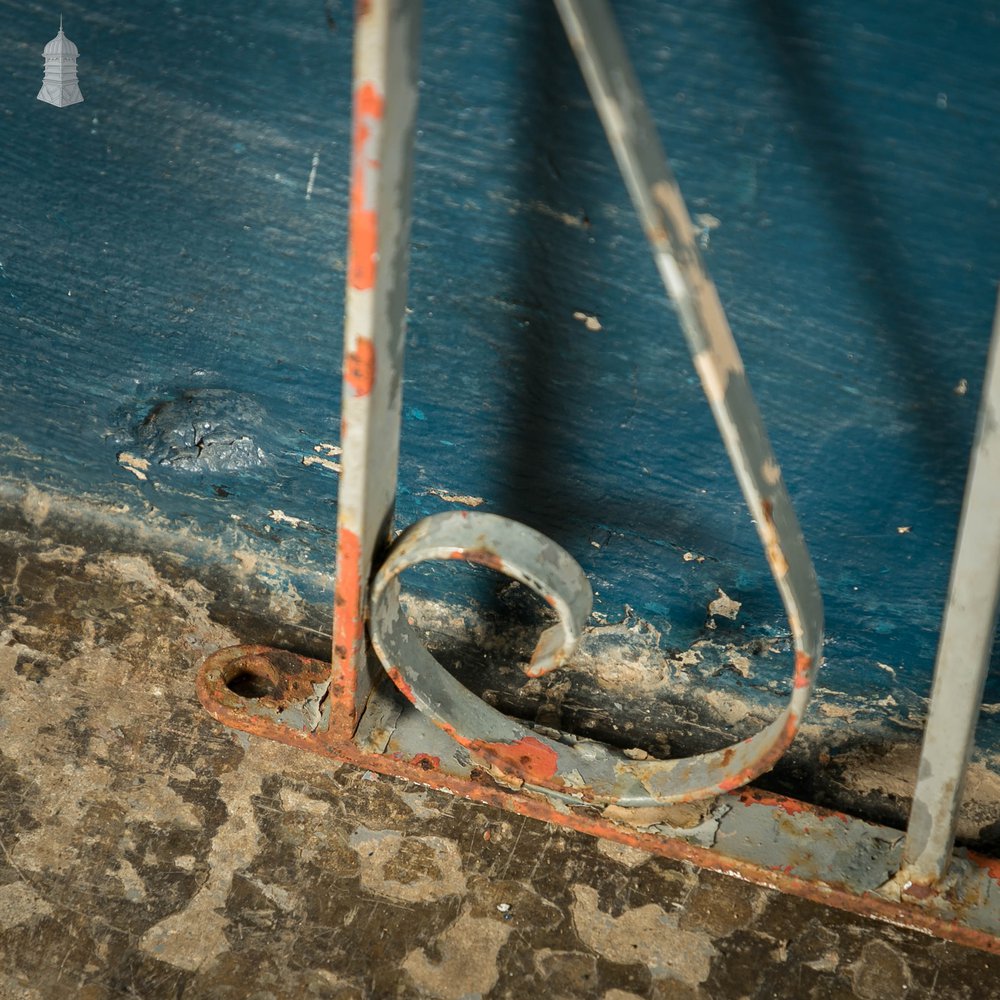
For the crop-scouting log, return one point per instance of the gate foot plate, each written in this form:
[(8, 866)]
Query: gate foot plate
[(767, 839)]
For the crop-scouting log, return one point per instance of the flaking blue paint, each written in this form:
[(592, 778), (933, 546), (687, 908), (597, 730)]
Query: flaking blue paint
[(157, 238)]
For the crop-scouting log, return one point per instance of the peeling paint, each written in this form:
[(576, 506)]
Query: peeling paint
[(590, 321), (280, 517), (359, 367), (363, 244), (135, 464), (460, 498), (724, 606)]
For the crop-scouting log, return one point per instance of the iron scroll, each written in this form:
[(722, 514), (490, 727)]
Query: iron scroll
[(584, 769)]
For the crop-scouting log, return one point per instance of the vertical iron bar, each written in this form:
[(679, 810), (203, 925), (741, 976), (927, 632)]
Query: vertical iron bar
[(963, 657), (386, 50)]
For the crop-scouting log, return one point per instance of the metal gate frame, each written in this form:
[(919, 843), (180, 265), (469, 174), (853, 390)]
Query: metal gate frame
[(427, 727)]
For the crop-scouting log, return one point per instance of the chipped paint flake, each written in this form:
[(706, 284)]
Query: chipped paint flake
[(280, 517), (724, 606), (135, 464), (589, 320), (325, 457), (324, 463), (461, 498)]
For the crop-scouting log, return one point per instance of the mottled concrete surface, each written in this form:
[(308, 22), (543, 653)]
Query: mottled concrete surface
[(147, 852)]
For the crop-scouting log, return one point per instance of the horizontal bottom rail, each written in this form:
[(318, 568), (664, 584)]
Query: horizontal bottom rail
[(767, 839)]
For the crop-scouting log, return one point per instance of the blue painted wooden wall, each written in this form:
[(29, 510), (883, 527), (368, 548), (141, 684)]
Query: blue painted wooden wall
[(157, 238)]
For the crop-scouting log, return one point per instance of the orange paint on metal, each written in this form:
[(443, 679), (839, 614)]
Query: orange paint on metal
[(990, 865), (348, 626), (791, 806), (400, 682), (753, 796), (363, 226), (482, 557), (747, 774), (530, 758), (737, 780), (359, 367), (803, 665)]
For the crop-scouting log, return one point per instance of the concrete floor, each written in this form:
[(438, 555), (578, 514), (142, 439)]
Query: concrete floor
[(148, 852)]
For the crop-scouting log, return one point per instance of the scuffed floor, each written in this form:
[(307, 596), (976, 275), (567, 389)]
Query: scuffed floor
[(147, 852)]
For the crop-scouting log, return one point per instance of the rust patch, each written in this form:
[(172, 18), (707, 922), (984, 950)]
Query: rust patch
[(916, 890), (400, 682), (529, 758), (772, 547), (348, 625), (426, 761), (362, 263), (359, 369), (803, 665)]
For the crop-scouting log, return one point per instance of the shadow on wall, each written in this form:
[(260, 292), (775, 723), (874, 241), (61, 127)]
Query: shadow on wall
[(901, 314), (536, 489), (559, 366)]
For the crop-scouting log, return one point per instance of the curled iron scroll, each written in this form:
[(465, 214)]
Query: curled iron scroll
[(582, 769)]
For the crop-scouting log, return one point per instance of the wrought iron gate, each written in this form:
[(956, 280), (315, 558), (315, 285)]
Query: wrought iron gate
[(427, 727)]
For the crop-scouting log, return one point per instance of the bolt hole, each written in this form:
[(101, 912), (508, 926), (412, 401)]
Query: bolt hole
[(253, 678), (248, 685)]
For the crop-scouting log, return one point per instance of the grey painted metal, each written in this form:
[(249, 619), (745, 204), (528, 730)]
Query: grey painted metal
[(581, 768), (768, 838), (385, 101), (964, 648), (559, 764), (618, 98)]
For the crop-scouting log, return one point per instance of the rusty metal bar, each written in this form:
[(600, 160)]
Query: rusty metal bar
[(764, 838), (964, 648), (386, 47), (617, 96), (562, 765)]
